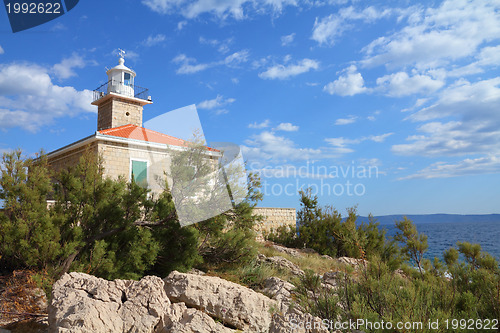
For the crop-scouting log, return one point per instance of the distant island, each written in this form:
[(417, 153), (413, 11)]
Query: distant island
[(434, 218)]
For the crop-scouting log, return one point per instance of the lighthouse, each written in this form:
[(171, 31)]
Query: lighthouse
[(119, 101)]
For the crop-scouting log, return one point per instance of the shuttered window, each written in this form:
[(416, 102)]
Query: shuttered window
[(140, 173)]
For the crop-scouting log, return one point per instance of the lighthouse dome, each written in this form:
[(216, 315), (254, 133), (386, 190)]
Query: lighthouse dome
[(121, 78)]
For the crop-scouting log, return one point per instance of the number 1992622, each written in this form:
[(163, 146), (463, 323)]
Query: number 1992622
[(33, 8)]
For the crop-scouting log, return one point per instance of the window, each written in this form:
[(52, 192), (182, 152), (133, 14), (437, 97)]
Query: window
[(127, 79), (139, 172)]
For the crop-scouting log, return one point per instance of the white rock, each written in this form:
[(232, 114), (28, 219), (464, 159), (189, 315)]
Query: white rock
[(229, 302), (330, 279), (287, 250), (352, 261), (196, 321), (297, 323), (285, 264), (84, 303), (280, 291)]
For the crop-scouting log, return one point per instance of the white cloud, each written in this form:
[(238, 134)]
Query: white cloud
[(217, 102), (1, 50), (471, 124), (264, 124), (269, 146), (222, 9), (347, 85), (287, 127), (131, 55), (400, 84), (64, 69), (330, 28), (288, 39), (29, 99), (222, 46), (488, 56), (453, 138), (181, 25), (154, 40), (341, 143), (346, 121), (221, 112), (260, 62), (188, 65), (163, 6), (236, 58), (327, 29), (212, 42), (435, 36), (282, 72), (479, 100), (379, 138), (466, 167), (373, 117)]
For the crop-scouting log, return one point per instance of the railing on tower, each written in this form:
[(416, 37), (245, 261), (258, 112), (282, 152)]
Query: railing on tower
[(121, 88)]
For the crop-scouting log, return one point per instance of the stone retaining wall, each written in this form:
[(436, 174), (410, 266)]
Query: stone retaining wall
[(273, 218)]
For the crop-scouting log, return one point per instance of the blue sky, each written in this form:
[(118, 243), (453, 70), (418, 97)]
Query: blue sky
[(405, 95)]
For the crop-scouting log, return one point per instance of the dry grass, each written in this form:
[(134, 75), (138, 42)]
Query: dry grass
[(312, 261), (20, 297)]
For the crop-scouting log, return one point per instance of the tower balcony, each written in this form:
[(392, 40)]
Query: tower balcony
[(122, 88)]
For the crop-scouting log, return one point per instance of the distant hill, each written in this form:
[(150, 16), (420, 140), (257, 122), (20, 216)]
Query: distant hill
[(435, 218)]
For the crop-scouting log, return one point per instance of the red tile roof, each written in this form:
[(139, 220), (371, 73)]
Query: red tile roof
[(143, 134)]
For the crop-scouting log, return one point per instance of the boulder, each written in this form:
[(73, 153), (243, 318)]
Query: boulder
[(308, 250), (285, 264), (356, 263), (287, 250), (280, 291), (297, 323), (84, 303), (196, 321), (330, 279), (234, 305)]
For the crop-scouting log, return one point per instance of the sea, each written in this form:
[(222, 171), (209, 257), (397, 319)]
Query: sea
[(442, 236)]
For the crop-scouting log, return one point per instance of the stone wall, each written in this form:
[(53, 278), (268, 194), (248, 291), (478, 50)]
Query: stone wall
[(273, 218), (117, 159), (71, 157), (116, 112)]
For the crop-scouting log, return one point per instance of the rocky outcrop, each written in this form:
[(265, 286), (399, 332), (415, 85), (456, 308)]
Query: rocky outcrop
[(290, 317), (234, 305), (84, 303), (195, 321), (297, 323), (280, 291), (282, 263), (330, 279), (181, 303), (287, 250), (356, 263)]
